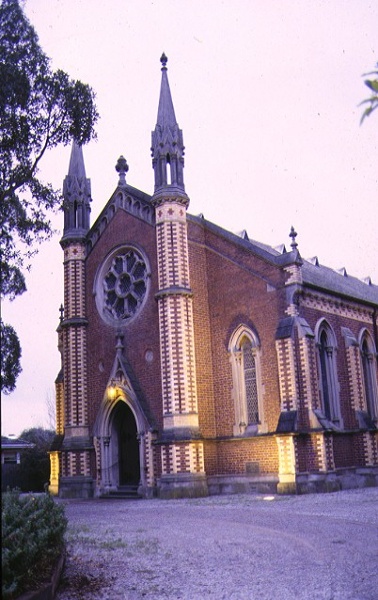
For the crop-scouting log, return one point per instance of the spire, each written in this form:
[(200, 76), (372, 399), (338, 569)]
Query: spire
[(166, 113), (76, 168), (167, 146), (76, 195)]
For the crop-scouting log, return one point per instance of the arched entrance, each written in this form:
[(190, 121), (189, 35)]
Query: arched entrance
[(126, 445)]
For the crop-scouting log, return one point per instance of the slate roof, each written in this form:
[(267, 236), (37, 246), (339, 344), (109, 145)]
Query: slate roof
[(324, 278), (314, 275)]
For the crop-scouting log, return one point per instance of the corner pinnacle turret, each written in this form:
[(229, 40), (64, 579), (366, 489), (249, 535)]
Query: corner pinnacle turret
[(167, 146), (77, 196)]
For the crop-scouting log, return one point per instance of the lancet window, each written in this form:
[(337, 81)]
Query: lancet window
[(245, 357), (368, 359), (328, 381)]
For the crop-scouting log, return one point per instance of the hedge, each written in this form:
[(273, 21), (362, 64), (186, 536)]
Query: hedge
[(33, 528)]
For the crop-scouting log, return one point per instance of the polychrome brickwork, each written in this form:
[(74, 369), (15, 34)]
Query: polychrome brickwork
[(175, 315), (74, 336), (172, 245), (294, 274), (149, 459), (287, 369), (77, 463), (327, 305), (203, 285), (74, 281), (59, 396), (309, 383), (177, 354), (370, 442), (75, 375), (356, 388), (184, 457)]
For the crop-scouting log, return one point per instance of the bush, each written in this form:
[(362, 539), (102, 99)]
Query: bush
[(35, 462), (33, 529)]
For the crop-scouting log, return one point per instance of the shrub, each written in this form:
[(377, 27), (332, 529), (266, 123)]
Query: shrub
[(35, 462), (33, 528)]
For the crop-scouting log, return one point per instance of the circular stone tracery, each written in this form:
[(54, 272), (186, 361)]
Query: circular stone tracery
[(125, 285)]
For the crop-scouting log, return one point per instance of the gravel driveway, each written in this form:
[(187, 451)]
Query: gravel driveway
[(322, 547)]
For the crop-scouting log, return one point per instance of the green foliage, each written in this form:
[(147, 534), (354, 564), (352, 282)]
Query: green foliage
[(39, 109), (33, 529), (10, 358), (372, 102), (35, 462)]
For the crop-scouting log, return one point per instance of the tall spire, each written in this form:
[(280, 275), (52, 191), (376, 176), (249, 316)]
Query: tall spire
[(166, 113), (180, 437), (167, 146), (77, 196), (76, 167)]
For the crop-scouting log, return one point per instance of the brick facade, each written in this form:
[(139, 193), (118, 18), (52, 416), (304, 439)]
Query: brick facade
[(196, 361)]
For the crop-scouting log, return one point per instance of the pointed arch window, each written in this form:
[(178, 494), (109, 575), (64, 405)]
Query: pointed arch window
[(368, 360), (245, 355), (168, 170), (250, 381), (328, 382)]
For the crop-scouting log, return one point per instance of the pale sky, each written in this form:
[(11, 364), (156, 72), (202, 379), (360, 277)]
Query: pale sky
[(266, 93)]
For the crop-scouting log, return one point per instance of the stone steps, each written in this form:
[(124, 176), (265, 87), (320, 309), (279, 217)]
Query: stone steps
[(123, 492)]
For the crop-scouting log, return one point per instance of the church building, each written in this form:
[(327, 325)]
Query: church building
[(196, 361)]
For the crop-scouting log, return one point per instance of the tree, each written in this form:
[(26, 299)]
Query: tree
[(35, 462), (10, 358), (372, 102), (39, 109)]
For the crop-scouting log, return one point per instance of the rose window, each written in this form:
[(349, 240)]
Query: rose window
[(125, 285)]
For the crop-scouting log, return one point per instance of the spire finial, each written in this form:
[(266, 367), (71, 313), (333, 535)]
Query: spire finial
[(163, 60), (293, 234), (122, 167)]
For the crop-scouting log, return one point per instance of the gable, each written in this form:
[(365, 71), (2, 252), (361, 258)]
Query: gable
[(125, 198)]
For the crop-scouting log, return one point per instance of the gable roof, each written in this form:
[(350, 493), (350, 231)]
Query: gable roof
[(325, 278), (314, 275)]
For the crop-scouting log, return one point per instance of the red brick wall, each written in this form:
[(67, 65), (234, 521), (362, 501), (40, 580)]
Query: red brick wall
[(140, 335), (337, 322), (348, 450), (254, 455), (236, 283), (231, 286)]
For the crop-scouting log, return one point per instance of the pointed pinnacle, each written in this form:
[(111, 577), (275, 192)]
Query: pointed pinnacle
[(293, 234), (76, 167)]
